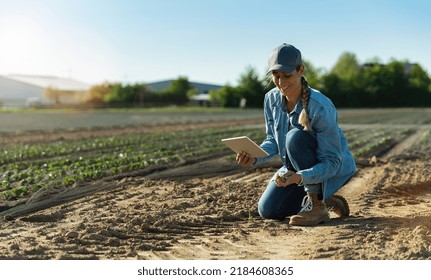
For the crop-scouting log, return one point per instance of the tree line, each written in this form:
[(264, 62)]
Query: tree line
[(179, 92), (348, 84)]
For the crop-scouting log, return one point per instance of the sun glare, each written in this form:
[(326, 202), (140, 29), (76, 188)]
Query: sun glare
[(22, 41)]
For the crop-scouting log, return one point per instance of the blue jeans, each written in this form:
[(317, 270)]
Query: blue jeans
[(277, 202)]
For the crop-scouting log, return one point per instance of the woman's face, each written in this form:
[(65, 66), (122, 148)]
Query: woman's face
[(288, 83)]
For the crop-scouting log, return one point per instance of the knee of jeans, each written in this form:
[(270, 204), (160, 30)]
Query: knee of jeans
[(266, 210), (295, 138)]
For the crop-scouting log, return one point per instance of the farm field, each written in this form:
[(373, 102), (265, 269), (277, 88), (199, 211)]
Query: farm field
[(143, 184)]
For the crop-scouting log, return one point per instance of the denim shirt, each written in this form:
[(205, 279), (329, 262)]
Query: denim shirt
[(336, 164)]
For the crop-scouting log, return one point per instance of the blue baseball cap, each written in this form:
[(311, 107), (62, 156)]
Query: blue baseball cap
[(284, 58)]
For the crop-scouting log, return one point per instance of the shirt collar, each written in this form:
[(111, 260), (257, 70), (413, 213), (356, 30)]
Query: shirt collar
[(280, 102)]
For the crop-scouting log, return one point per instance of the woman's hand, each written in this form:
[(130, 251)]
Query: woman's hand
[(244, 159), (288, 179)]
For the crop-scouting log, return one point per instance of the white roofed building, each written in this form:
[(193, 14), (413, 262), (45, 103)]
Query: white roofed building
[(28, 90)]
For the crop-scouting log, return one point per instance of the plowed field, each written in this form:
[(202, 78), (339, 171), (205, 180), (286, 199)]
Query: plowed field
[(196, 203)]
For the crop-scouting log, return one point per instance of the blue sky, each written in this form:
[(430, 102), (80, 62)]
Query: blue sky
[(208, 41)]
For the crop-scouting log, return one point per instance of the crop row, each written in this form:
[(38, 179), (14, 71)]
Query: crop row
[(374, 141), (26, 168)]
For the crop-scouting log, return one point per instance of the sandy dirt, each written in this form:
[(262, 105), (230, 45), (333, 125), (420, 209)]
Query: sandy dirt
[(208, 210)]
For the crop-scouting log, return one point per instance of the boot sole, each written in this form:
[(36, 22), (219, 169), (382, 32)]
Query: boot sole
[(340, 202), (324, 221)]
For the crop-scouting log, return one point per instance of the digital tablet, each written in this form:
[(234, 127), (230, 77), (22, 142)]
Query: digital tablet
[(244, 144)]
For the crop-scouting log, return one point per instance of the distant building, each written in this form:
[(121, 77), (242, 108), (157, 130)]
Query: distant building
[(28, 90), (201, 98)]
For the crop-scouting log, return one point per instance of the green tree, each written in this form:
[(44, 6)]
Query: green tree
[(418, 78), (119, 94), (386, 85), (313, 75), (177, 90), (227, 96), (347, 66), (332, 87), (251, 88), (341, 84), (128, 94), (97, 93), (192, 92), (419, 84)]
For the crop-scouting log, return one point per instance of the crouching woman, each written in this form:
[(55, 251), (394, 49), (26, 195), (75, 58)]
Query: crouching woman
[(302, 128)]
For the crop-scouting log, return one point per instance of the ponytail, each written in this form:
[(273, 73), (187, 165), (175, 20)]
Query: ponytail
[(305, 97)]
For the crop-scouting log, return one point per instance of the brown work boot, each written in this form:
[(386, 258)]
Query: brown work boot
[(338, 205), (313, 212)]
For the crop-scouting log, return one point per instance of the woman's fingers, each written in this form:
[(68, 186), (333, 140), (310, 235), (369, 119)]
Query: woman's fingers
[(239, 158), (281, 183), (244, 159), (286, 179)]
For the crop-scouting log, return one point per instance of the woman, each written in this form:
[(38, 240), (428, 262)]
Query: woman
[(302, 128)]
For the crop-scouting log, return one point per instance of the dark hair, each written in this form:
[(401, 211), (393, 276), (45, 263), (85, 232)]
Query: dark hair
[(305, 98)]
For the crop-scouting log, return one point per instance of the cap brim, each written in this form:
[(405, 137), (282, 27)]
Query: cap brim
[(284, 68)]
